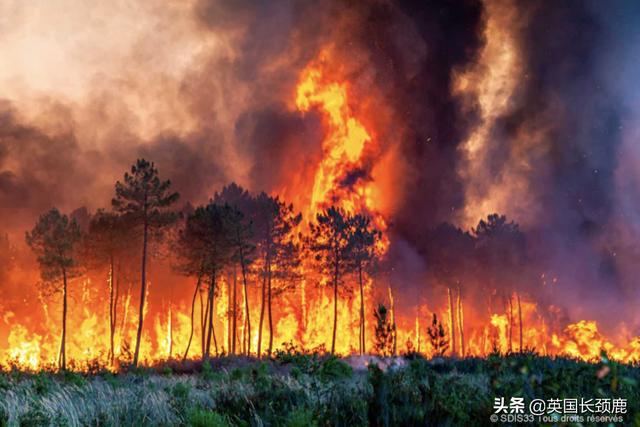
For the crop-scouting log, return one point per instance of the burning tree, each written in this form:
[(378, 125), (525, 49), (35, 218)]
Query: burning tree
[(280, 254), (54, 240), (363, 241), (385, 331), (450, 252), (501, 252), (330, 242), (143, 200), (437, 337), (244, 250), (105, 244), (206, 248)]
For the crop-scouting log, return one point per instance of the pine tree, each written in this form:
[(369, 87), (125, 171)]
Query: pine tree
[(144, 201), (54, 240), (438, 337), (329, 242)]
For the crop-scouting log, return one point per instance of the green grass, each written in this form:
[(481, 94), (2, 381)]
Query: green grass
[(308, 390)]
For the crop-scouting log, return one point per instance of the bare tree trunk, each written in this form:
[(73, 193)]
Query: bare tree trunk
[(510, 324), (362, 324), (262, 306), (204, 318), (193, 307), (520, 320), (210, 330), (392, 311), (112, 316), (461, 322), (63, 353), (143, 289), (269, 307), (452, 325), (170, 329), (246, 305), (229, 309), (235, 310), (335, 308)]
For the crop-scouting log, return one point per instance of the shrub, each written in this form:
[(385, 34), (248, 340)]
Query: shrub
[(334, 369), (301, 417), (202, 418)]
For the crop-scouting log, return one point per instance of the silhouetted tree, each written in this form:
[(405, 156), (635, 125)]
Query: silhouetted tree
[(143, 199), (450, 255), (501, 252), (385, 331), (275, 224), (206, 247), (105, 242), (437, 337), (329, 242), (362, 253), (242, 223), (54, 240)]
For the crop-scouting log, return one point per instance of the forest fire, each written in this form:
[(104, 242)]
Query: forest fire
[(301, 315), (380, 236)]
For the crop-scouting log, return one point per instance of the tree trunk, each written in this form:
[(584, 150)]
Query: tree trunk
[(170, 329), (246, 304), (63, 353), (235, 311), (520, 320), (112, 315), (193, 307), (262, 306), (452, 325), (510, 324), (362, 325), (204, 316), (143, 290), (335, 308), (270, 312), (210, 330), (461, 322)]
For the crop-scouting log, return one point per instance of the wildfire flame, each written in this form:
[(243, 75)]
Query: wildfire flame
[(301, 316)]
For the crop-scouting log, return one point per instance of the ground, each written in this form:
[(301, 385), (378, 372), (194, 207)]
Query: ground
[(295, 389)]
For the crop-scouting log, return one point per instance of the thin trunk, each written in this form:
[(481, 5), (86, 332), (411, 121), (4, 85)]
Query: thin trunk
[(335, 307), (235, 308), (269, 306), (210, 330), (193, 306), (262, 306), (112, 319), (510, 324), (143, 289), (63, 341), (461, 322), (520, 320), (205, 320), (246, 304), (229, 309), (362, 325), (452, 325), (392, 312), (170, 329)]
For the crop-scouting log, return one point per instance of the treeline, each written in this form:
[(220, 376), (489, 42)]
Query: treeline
[(259, 235)]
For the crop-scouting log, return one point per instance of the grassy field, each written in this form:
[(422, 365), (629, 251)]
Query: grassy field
[(308, 390)]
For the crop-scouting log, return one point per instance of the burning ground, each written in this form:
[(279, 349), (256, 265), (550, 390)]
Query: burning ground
[(425, 118)]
